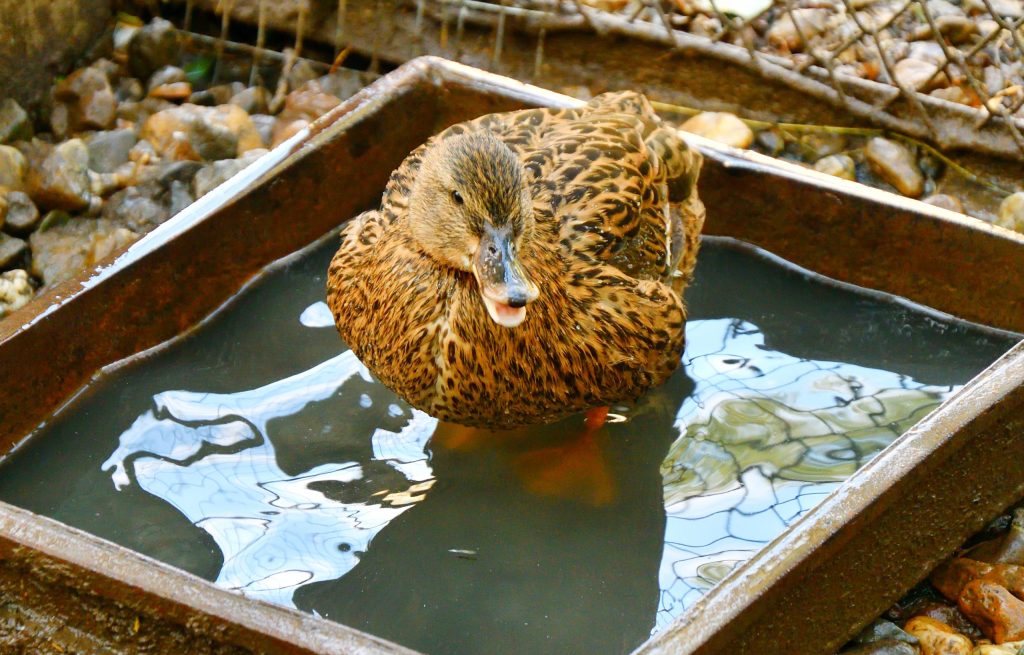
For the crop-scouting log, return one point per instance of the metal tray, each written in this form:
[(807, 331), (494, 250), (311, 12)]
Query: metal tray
[(807, 592)]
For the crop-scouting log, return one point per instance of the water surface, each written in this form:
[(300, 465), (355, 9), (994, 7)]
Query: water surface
[(259, 453)]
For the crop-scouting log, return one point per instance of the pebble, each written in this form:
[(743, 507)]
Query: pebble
[(84, 101), (937, 638), (881, 630), (955, 94), (771, 141), (310, 101), (218, 172), (822, 144), (253, 100), (58, 175), (992, 607), (179, 171), (176, 91), (783, 33), (265, 126), (12, 251), (15, 124), (180, 197), (895, 164), (129, 89), (1007, 8), (944, 201), (108, 150), (154, 46), (883, 647), (13, 168), (15, 291), (22, 214), (1011, 212), (63, 251), (929, 51), (950, 615), (166, 75), (195, 132), (919, 75), (838, 165), (722, 127), (284, 130), (1009, 648), (1008, 547), (137, 208)]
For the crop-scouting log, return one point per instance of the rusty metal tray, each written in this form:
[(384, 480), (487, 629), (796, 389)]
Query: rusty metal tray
[(806, 592)]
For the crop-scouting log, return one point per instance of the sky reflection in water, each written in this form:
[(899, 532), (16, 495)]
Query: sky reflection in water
[(762, 438)]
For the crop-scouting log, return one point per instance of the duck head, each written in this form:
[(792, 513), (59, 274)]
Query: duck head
[(470, 209)]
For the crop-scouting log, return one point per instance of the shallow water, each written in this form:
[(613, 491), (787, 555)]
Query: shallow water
[(258, 453)]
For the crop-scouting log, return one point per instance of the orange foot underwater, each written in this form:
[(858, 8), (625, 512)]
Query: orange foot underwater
[(574, 468)]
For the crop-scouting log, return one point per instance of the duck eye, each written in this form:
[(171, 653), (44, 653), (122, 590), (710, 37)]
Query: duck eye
[(457, 198)]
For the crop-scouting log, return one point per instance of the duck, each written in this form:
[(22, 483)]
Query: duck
[(527, 265)]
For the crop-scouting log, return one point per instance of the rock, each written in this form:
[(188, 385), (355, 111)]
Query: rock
[(943, 8), (994, 80), (783, 33), (153, 47), (179, 171), (108, 150), (837, 165), (136, 208), (929, 51), (166, 75), (956, 94), (15, 291), (606, 5), (704, 25), (937, 638), (1008, 547), (896, 165), (284, 130), (881, 630), (952, 577), (265, 126), (220, 171), (944, 201), (175, 91), (992, 607), (1006, 8), (821, 144), (1009, 648), (1011, 212), (15, 124), (58, 176), (302, 71), (22, 214), (883, 647), (345, 83), (143, 153), (54, 218), (62, 252), (180, 197), (253, 100), (84, 101), (129, 89), (138, 113), (310, 101), (123, 35), (722, 127), (771, 141), (12, 251), (950, 615), (13, 168), (919, 75), (194, 132), (223, 93)]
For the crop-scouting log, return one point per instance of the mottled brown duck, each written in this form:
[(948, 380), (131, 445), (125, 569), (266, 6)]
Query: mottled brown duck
[(527, 265)]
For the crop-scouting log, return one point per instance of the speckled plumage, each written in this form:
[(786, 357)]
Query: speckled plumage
[(616, 213)]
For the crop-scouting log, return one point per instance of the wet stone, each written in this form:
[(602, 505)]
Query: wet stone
[(1008, 547), (896, 165), (194, 132), (13, 168), (838, 165), (951, 616), (153, 47), (59, 175), (1011, 212), (15, 291), (22, 214), (944, 201), (937, 638), (108, 150), (12, 251), (85, 101), (65, 250), (15, 124), (722, 127), (175, 91), (992, 607)]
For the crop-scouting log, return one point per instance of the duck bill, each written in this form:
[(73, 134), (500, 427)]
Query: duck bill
[(504, 286)]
